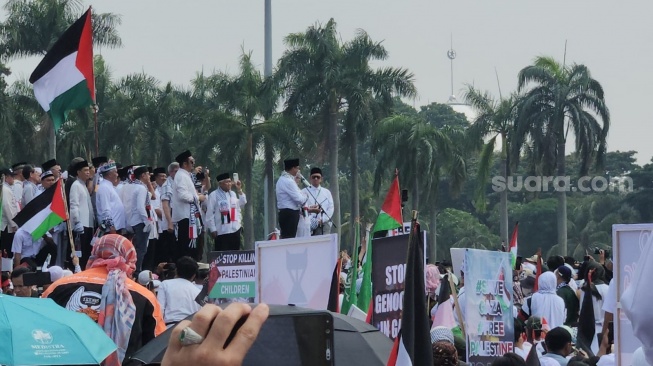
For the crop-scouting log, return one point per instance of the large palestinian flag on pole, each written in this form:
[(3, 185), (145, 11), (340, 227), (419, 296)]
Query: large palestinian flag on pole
[(44, 212), (389, 218), (64, 79)]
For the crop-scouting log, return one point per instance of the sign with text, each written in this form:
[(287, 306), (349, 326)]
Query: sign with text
[(388, 282), (628, 243), (232, 276), (489, 322)]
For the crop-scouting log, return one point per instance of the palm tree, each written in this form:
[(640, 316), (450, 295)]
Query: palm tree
[(248, 98), (323, 77), (560, 98), (495, 119), (423, 154)]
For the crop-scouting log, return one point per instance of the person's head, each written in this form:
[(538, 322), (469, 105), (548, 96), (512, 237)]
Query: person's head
[(82, 170), (558, 341), (17, 170), (47, 179), (520, 332), (187, 268), (20, 290), (432, 279), (53, 166), (509, 359), (186, 161), (563, 274), (149, 280), (547, 283), (444, 354), (114, 252), (224, 181), (5, 283), (160, 176), (109, 171), (8, 174), (98, 161), (316, 177), (554, 262), (441, 333), (291, 166), (142, 174), (534, 329), (172, 169), (29, 173)]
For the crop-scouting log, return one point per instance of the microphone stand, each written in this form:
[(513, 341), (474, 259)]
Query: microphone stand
[(308, 185)]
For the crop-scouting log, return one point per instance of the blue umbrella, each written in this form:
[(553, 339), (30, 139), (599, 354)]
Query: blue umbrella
[(39, 332)]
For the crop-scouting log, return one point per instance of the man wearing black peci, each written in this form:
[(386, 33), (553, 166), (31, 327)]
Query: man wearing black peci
[(290, 199)]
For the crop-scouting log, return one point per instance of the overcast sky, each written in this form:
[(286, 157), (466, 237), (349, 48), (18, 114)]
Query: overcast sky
[(173, 40)]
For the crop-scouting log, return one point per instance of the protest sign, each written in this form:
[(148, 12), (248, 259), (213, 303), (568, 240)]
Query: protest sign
[(296, 271), (232, 276), (457, 258), (628, 243), (488, 313), (388, 275)]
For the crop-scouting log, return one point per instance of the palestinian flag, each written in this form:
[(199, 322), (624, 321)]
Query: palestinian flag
[(334, 291), (513, 247), (44, 212), (413, 345), (389, 218), (64, 79)]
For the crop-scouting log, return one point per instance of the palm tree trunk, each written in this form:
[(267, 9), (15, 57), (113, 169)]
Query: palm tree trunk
[(503, 203), (562, 200), (415, 192), (249, 209), (269, 176), (334, 186), (52, 138), (355, 183)]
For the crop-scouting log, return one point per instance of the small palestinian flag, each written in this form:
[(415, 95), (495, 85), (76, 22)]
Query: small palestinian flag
[(44, 212), (64, 79)]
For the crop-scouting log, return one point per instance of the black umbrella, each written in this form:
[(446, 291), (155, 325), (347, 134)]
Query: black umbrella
[(355, 342)]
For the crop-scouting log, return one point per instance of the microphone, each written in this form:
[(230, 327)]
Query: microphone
[(303, 179)]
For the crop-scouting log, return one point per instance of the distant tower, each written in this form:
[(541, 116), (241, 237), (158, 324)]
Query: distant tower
[(460, 107), (452, 55)]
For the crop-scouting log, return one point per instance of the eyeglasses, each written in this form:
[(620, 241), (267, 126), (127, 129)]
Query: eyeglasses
[(192, 162), (316, 177)]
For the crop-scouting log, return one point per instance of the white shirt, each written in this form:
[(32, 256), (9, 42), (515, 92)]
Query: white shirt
[(81, 209), (177, 299), (163, 223), (9, 210), (109, 205), (324, 198), (223, 211), (25, 245), (17, 189), (610, 301), (29, 192), (137, 212), (153, 221), (288, 193), (523, 353), (183, 195)]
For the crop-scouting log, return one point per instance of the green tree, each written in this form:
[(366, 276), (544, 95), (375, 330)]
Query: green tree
[(460, 229), (557, 99), (441, 115)]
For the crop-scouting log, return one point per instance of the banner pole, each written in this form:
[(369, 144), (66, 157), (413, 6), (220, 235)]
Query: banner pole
[(70, 229)]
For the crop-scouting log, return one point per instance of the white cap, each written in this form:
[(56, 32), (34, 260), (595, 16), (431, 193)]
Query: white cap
[(146, 276), (56, 273)]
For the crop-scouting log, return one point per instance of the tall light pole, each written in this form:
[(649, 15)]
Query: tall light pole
[(267, 72)]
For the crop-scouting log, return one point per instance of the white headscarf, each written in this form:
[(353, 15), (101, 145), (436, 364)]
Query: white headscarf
[(636, 302), (545, 303)]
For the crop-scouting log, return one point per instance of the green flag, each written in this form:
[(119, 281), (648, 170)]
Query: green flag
[(389, 219), (351, 296)]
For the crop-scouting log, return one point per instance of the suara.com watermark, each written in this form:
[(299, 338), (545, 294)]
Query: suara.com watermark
[(585, 184)]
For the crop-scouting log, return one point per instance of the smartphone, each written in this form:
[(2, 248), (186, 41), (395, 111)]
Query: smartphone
[(235, 178), (37, 279), (292, 339)]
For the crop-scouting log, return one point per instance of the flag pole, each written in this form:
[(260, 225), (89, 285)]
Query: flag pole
[(70, 229), (97, 149)]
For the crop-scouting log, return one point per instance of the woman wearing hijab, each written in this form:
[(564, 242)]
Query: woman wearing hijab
[(545, 303), (129, 314), (444, 354)]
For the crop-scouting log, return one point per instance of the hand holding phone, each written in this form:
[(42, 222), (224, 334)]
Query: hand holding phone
[(235, 178)]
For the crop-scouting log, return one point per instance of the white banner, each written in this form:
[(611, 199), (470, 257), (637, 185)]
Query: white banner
[(628, 242), (296, 271)]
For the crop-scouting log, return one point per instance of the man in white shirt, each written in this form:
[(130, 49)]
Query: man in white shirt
[(186, 213), (177, 296), (223, 216), (32, 179), (110, 210), (9, 211), (167, 246), (125, 193), (17, 186), (319, 198), (81, 211), (139, 215), (290, 199), (34, 252)]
